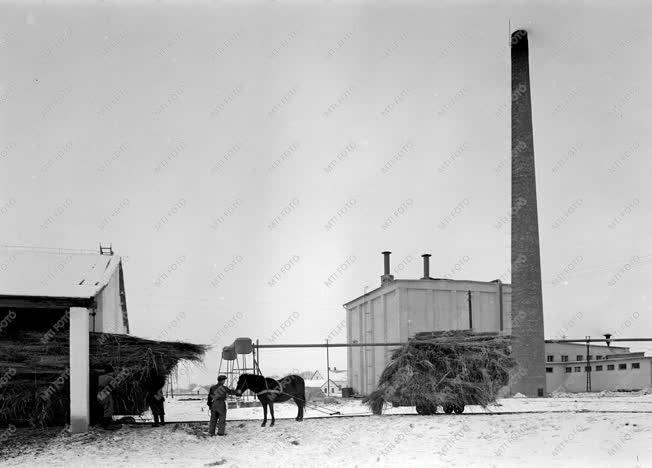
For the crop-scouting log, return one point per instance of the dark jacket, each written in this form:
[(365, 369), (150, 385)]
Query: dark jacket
[(155, 398), (104, 380), (218, 393)]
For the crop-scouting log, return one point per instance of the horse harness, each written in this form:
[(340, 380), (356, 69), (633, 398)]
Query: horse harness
[(274, 391)]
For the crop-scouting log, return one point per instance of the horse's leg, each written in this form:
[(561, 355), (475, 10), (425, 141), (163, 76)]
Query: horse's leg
[(264, 403), (271, 412), (299, 409)]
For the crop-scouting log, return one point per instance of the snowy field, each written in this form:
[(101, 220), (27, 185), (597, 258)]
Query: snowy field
[(611, 430), (196, 410)]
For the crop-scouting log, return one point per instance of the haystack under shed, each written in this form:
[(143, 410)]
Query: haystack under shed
[(449, 369), (36, 388)]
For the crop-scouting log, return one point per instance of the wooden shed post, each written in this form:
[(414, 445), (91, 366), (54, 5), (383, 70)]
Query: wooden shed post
[(79, 370)]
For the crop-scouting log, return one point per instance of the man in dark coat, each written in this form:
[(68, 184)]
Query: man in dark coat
[(217, 404), (105, 384), (155, 401)]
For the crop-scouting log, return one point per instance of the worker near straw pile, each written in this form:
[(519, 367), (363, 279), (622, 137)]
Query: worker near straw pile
[(155, 401), (106, 383), (217, 404)]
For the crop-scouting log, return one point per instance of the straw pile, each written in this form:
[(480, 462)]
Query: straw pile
[(445, 368), (34, 374)]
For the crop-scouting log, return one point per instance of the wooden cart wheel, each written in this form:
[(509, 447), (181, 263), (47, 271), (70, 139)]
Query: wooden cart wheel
[(458, 409), (448, 408)]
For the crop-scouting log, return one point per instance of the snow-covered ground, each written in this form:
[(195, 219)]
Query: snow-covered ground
[(571, 430), (196, 410)]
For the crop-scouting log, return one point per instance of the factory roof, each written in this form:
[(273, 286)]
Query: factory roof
[(399, 281)]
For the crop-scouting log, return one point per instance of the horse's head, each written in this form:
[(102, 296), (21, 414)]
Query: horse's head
[(242, 385)]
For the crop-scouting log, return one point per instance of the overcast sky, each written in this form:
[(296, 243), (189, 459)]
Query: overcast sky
[(327, 132)]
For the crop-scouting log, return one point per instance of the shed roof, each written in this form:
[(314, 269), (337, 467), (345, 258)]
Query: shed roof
[(54, 272)]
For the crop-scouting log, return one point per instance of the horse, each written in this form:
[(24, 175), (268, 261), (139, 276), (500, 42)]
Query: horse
[(270, 391)]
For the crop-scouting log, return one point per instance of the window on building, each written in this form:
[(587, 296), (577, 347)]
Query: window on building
[(598, 368), (622, 366), (587, 368), (568, 370), (579, 357), (564, 359), (589, 357), (550, 358), (578, 369), (636, 365), (549, 370), (599, 357), (610, 367)]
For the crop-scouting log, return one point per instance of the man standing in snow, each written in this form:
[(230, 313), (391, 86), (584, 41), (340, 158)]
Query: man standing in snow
[(155, 401), (106, 383), (217, 404)]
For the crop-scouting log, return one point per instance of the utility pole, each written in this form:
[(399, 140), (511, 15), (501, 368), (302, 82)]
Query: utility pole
[(588, 364), (328, 371)]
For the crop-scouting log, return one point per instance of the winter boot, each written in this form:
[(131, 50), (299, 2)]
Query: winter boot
[(109, 425)]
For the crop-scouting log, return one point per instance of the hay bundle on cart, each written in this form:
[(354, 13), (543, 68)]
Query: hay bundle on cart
[(34, 389), (448, 369)]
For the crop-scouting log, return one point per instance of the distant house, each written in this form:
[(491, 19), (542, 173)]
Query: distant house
[(329, 387), (339, 377), (311, 375), (199, 390)]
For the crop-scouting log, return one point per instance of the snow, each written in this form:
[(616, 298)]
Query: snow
[(54, 273), (580, 429), (316, 383)]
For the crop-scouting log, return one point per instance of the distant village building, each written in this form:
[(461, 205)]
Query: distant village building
[(339, 378), (198, 390), (323, 387)]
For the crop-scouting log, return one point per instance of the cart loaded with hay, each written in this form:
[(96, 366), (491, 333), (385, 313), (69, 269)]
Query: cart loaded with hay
[(444, 369), (36, 392)]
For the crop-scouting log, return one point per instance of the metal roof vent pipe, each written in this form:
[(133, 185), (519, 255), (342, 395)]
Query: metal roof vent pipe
[(387, 277), (426, 266)]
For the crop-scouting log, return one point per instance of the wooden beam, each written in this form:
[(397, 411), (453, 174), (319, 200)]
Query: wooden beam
[(46, 302), (79, 370)]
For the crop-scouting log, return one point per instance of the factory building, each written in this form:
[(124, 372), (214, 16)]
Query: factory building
[(569, 367), (399, 308)]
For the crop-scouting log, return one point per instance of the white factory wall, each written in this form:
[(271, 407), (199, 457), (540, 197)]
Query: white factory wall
[(402, 308), (616, 379)]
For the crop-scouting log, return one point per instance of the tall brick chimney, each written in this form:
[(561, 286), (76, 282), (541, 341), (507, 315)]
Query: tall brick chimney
[(527, 302)]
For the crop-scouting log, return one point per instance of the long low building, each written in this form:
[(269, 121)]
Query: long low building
[(609, 368), (399, 308)]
